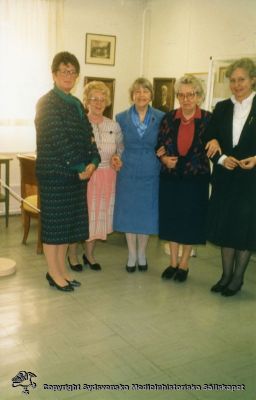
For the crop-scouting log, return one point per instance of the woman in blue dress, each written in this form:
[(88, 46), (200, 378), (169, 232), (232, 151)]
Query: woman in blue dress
[(136, 205)]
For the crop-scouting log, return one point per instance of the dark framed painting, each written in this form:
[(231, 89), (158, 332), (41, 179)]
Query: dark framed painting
[(100, 49), (110, 83), (163, 94)]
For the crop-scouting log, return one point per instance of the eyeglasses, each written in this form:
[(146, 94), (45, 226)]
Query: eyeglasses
[(66, 72), (188, 96), (97, 99)]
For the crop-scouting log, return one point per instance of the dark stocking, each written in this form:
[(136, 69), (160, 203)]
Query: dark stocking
[(228, 260), (242, 258)]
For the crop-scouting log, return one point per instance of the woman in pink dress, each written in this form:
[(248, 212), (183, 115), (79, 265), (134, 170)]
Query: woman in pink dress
[(101, 186)]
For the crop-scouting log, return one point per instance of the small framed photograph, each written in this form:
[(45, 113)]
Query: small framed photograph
[(222, 75), (110, 83), (221, 87), (163, 94), (100, 49)]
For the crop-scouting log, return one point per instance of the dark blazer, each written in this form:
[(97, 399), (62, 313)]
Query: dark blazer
[(64, 138), (221, 128), (232, 212), (195, 163)]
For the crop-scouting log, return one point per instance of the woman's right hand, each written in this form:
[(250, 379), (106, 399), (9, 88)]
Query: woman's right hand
[(161, 151), (87, 172), (212, 147), (230, 163), (169, 161)]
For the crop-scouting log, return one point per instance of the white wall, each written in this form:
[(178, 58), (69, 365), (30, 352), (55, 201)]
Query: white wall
[(185, 33)]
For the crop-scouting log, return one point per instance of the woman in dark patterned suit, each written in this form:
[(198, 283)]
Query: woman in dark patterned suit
[(232, 211), (184, 175), (66, 158)]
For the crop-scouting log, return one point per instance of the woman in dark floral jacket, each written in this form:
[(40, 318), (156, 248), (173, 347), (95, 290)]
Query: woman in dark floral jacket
[(184, 176)]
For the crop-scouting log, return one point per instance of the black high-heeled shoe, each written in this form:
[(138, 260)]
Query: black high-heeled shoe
[(169, 272), (218, 287), (181, 275), (51, 281), (231, 292), (74, 283), (143, 267), (130, 269), (95, 266), (76, 267)]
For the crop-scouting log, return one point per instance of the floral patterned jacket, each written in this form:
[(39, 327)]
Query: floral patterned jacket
[(196, 162)]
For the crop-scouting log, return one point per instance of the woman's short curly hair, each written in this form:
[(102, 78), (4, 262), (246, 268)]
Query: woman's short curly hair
[(96, 85), (196, 84), (66, 58), (245, 63), (141, 82)]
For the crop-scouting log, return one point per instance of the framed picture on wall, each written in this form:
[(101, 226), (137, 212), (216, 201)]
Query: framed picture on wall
[(110, 83), (100, 49), (163, 93), (222, 75)]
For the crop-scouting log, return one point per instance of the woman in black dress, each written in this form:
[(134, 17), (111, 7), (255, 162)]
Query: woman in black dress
[(232, 210), (184, 176), (66, 158)]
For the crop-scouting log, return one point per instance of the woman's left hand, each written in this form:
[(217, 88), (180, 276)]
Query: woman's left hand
[(212, 147), (116, 162), (248, 163)]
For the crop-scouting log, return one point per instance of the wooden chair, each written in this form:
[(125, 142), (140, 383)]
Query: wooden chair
[(29, 192)]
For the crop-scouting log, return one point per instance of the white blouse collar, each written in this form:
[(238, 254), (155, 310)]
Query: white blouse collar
[(246, 102)]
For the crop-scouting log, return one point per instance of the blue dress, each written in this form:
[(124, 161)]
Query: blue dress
[(136, 202)]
